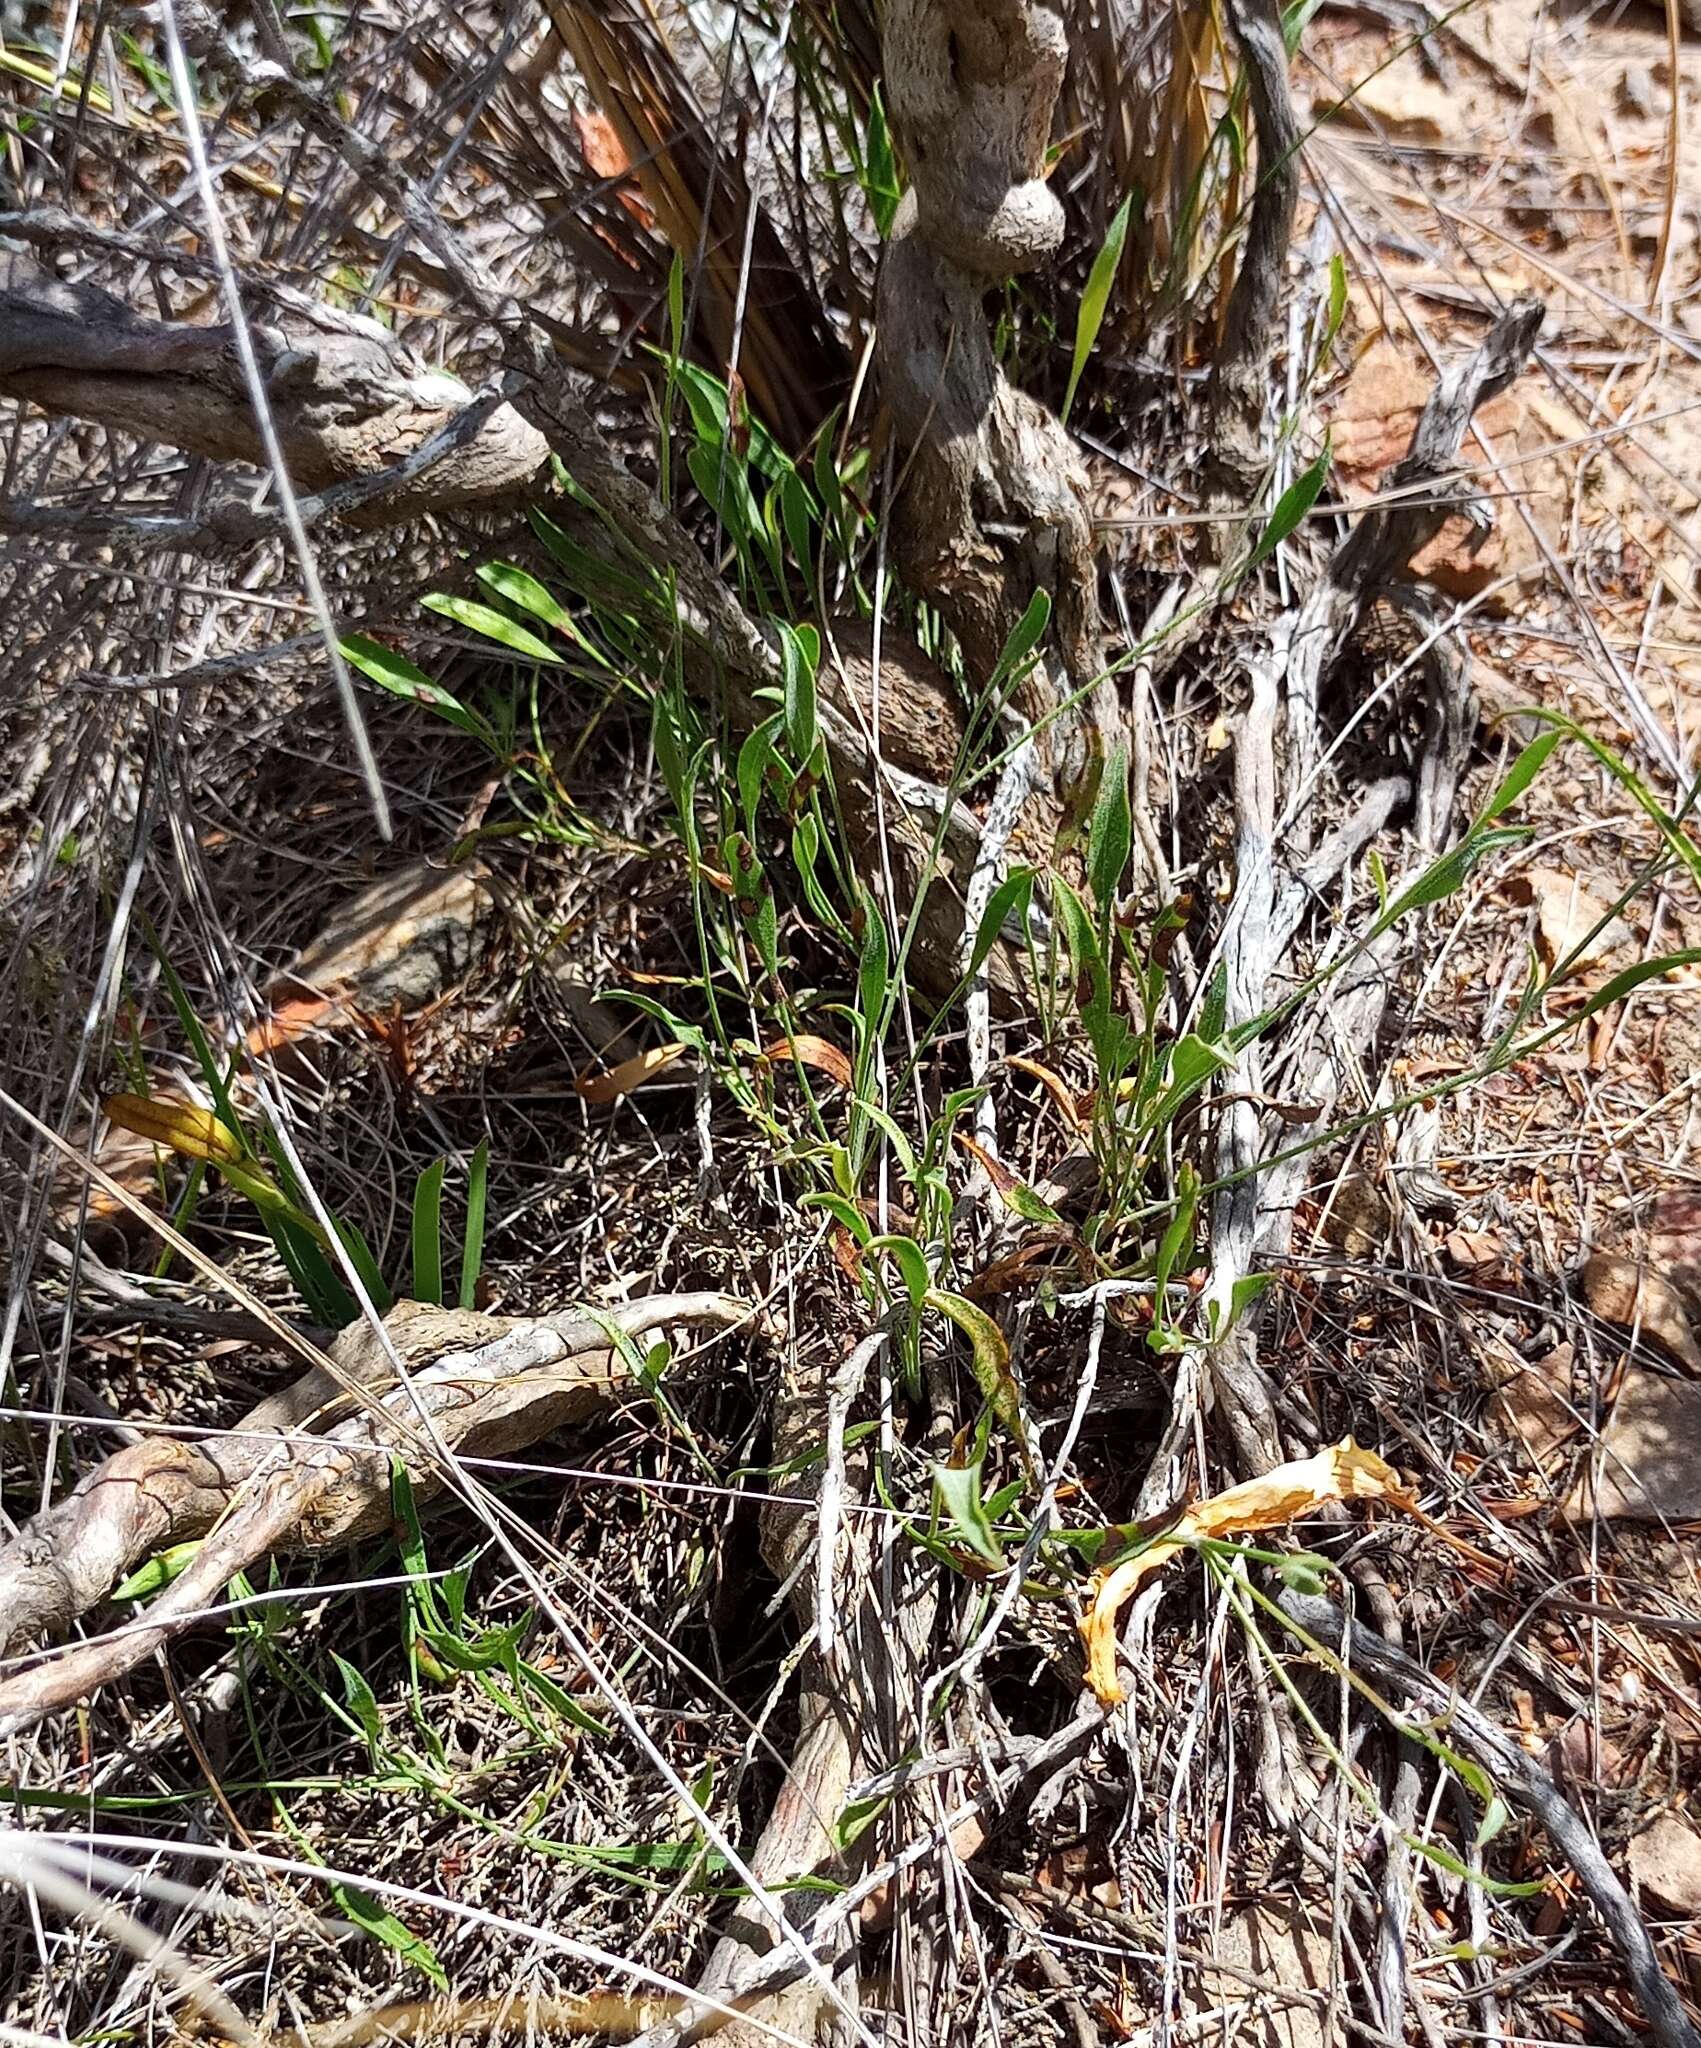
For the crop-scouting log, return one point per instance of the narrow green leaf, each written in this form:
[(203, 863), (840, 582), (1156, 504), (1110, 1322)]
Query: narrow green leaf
[(1110, 835), (383, 1926), (1011, 899), (1025, 636), (910, 1260), (960, 1490), (1096, 297), (880, 167), (842, 1209), (521, 588), (801, 714), (363, 1705), (395, 673), (428, 1235), (490, 624), (158, 1572), (472, 1253), (1291, 507), (991, 1356), (1529, 764)]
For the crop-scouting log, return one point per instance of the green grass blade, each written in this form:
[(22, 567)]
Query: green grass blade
[(428, 1235), (472, 1252)]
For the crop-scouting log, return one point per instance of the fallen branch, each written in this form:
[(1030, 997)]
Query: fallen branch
[(1525, 1786), (1240, 371), (1267, 908), (300, 1473)]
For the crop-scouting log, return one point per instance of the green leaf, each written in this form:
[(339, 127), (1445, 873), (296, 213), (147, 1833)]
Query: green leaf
[(1110, 835), (472, 1252), (1021, 1200), (1013, 897), (522, 589), (491, 624), (158, 1572), (1096, 297), (1303, 1572), (1248, 1290), (1495, 1816), (1446, 876), (428, 1235), (1025, 636), (910, 1260), (873, 971), (754, 757), (880, 167), (1291, 507), (363, 1705), (801, 715), (842, 1209), (589, 573), (361, 1259), (383, 1926), (1337, 306), (991, 1356), (1213, 1013), (1520, 775), (858, 1817), (560, 1702), (960, 1490)]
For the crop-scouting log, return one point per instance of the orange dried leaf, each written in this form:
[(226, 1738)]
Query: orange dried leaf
[(1343, 1472), (818, 1053), (1004, 1182), (1054, 1086), (183, 1127), (290, 1019), (633, 1073)]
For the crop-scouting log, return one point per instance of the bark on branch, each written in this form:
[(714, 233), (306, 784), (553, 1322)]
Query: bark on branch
[(349, 403), (302, 1473)]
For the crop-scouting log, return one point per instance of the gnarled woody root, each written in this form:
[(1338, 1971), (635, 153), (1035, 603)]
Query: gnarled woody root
[(992, 506), (302, 1473)]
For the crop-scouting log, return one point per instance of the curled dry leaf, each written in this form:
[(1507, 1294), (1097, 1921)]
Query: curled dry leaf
[(1343, 1472), (633, 1073), (819, 1053)]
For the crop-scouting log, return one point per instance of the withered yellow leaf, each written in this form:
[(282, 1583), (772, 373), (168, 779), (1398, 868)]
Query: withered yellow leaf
[(183, 1127), (1342, 1472)]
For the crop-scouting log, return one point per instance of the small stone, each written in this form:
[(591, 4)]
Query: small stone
[(1665, 1865), (402, 940), (1289, 1952), (1649, 1462), (1625, 1292), (1534, 1408)]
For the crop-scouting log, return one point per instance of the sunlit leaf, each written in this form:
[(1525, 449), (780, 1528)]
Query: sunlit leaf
[(1096, 296)]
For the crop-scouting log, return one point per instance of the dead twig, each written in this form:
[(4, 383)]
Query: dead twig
[(301, 1475), (1525, 1785)]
